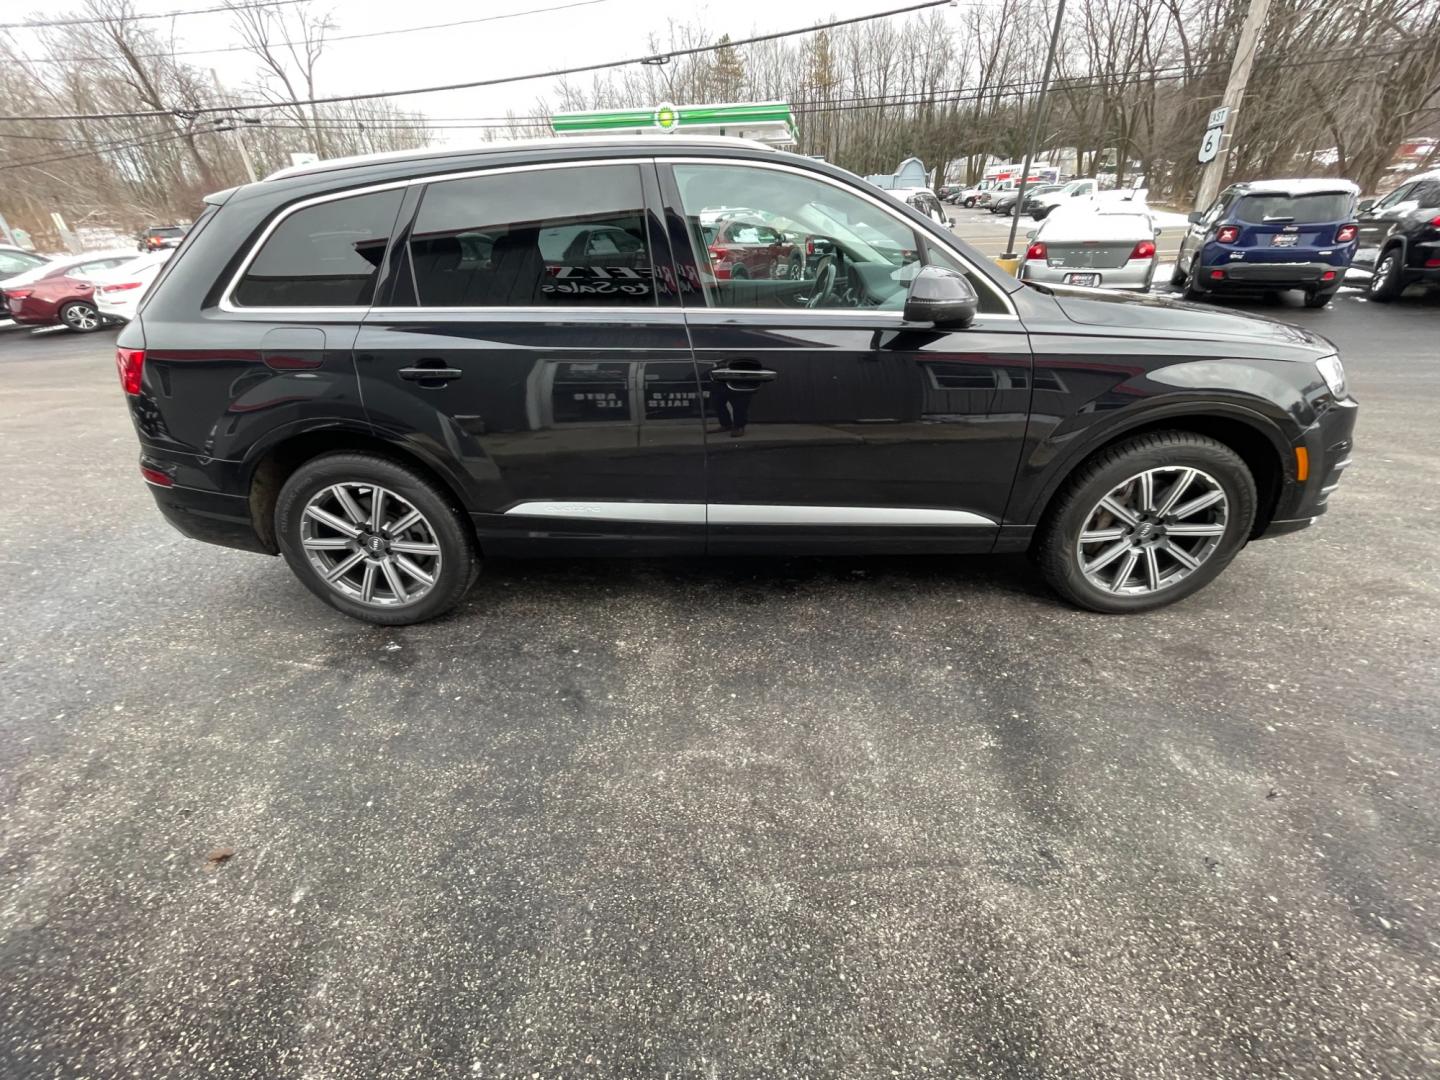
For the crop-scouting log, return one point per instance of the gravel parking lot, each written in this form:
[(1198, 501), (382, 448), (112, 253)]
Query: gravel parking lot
[(893, 817)]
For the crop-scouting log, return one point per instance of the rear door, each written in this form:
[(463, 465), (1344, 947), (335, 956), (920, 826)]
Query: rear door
[(831, 423), (533, 343)]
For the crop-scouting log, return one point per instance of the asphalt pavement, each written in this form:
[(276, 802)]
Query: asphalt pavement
[(760, 818)]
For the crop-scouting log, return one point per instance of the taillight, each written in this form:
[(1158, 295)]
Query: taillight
[(1036, 250), (717, 253), (1435, 221), (1217, 275), (1431, 264), (18, 294), (1346, 233), (121, 287), (1328, 275), (1228, 234), (156, 477), (1145, 249), (131, 365), (809, 245)]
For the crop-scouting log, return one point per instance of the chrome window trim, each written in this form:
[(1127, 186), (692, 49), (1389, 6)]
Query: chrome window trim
[(960, 257), (748, 514), (229, 306)]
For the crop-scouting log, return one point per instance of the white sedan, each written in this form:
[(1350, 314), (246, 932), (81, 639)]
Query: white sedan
[(118, 291), (1112, 248)]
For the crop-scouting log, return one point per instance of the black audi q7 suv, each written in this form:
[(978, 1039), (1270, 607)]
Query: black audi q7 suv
[(387, 369)]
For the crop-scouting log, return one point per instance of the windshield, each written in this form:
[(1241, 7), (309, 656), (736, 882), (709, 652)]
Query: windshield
[(1321, 206), (168, 231)]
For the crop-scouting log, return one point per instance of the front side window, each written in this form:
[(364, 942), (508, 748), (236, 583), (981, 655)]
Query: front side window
[(1427, 194), (570, 237), (835, 250), (1399, 195), (326, 255)]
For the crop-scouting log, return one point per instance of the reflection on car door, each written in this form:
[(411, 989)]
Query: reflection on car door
[(837, 426), (559, 375)]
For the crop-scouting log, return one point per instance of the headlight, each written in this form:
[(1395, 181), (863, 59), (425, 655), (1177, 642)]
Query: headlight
[(1333, 372)]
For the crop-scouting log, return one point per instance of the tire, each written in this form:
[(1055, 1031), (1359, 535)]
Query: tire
[(81, 317), (1191, 291), (969, 204), (1177, 276), (442, 525), (797, 268), (1317, 300), (1215, 467), (739, 273), (1386, 283)]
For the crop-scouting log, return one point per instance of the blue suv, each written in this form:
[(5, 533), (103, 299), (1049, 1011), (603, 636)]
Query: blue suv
[(1268, 235)]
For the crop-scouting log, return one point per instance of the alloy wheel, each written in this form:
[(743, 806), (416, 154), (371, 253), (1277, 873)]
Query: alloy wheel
[(1152, 531), (370, 545), (82, 317)]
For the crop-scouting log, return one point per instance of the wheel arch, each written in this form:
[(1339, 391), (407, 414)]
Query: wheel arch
[(273, 464), (1257, 440)]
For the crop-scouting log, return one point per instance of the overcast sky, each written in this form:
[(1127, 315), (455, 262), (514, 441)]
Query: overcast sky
[(596, 31)]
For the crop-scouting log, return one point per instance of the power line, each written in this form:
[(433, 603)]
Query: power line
[(115, 148), (150, 15), (655, 58), (328, 39)]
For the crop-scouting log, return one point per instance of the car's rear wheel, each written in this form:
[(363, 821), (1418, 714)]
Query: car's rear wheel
[(1385, 283), (1191, 290), (1147, 522), (1317, 299), (739, 273), (375, 539), (81, 317)]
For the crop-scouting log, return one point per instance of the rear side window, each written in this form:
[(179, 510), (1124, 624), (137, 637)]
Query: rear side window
[(1322, 206), (573, 237), (17, 262), (326, 255)]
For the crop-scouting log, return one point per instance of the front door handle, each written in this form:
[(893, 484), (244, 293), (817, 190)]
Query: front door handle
[(742, 375), (426, 374)]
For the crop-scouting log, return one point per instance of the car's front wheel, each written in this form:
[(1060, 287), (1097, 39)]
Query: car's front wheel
[(1147, 522), (375, 539), (81, 316)]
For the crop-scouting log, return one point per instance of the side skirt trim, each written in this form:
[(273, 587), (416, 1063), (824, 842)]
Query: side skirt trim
[(751, 514)]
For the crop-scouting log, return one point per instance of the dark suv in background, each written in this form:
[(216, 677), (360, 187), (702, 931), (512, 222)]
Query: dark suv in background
[(1268, 236), (388, 369), (1400, 238)]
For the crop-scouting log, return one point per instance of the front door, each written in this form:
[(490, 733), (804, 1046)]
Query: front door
[(1377, 223), (831, 424), (533, 339)]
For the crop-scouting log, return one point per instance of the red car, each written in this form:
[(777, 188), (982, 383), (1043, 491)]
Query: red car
[(58, 292), (741, 248)]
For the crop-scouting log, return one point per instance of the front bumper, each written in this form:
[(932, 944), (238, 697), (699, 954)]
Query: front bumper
[(1328, 445)]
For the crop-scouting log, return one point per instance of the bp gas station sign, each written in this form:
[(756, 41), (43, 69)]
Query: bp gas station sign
[(765, 121)]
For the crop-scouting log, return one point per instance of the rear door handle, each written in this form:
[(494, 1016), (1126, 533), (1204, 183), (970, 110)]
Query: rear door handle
[(742, 375), (425, 374)]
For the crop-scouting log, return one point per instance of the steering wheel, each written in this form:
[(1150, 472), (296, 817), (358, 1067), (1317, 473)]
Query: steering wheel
[(824, 283)]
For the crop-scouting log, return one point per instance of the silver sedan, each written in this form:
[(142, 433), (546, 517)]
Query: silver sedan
[(1099, 249)]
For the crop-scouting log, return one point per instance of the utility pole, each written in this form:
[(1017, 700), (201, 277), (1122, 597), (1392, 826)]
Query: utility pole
[(1214, 171), (1010, 253), (235, 132)]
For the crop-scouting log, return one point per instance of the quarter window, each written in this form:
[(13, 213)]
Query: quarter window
[(835, 249), (326, 255), (536, 238)]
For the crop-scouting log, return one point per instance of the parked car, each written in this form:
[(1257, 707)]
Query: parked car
[(747, 248), (1400, 238), (161, 236), (59, 291), (1107, 250), (969, 196), (1269, 235), (15, 261), (925, 201), (995, 191), (118, 291), (1005, 204), (385, 434), (1048, 197)]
